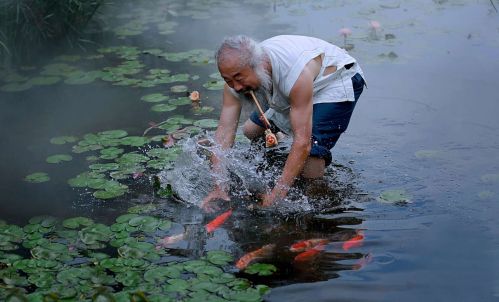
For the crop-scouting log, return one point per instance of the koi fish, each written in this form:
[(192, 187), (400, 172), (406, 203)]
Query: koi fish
[(355, 241), (218, 221), (163, 242), (307, 244), (310, 254), (258, 254)]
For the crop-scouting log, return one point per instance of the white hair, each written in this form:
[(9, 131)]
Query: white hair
[(249, 51)]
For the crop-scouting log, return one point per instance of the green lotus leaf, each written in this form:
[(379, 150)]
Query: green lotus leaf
[(58, 69), (37, 177), (69, 235), (80, 77), (101, 278), (169, 127), (132, 158), (195, 265), (129, 278), (99, 168), (81, 149), (42, 279), (176, 285), (163, 107), (160, 164), (125, 218), (44, 80), (9, 259), (122, 235), (179, 119), (484, 195), (31, 228), (58, 158), (15, 87), (224, 278), (423, 154), (260, 269), (248, 295), (159, 152), (61, 140), (179, 88), (154, 97), (397, 196), (91, 158), (15, 232), (97, 257), (110, 153), (159, 274), (206, 123), (142, 208), (119, 175), (199, 286), (239, 284), (180, 101), (77, 222), (44, 221), (203, 110), (490, 178), (103, 194), (214, 85), (219, 257), (142, 220), (134, 141), (62, 292), (97, 183)]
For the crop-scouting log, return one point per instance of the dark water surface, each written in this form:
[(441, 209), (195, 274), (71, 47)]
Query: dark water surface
[(427, 124)]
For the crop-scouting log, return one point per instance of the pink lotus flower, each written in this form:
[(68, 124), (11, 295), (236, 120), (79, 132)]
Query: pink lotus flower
[(374, 24), (345, 32)]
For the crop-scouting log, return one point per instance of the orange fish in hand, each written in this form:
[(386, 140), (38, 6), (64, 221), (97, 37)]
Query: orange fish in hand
[(307, 244), (355, 241), (261, 253), (310, 254), (218, 221)]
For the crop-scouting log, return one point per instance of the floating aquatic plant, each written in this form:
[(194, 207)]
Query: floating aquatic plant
[(58, 158), (396, 196), (260, 269), (37, 177)]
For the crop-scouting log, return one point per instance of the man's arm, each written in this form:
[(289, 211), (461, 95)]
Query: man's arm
[(224, 138), (301, 123)]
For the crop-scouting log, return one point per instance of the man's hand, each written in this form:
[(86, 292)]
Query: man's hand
[(209, 204)]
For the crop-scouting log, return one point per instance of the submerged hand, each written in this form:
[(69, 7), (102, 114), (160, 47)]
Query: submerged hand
[(208, 203)]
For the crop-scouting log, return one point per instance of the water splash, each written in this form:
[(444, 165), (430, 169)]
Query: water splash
[(250, 170)]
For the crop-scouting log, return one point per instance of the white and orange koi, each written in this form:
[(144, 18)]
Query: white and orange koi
[(261, 253)]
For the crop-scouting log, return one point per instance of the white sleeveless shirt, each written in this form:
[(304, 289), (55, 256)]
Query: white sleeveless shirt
[(288, 55)]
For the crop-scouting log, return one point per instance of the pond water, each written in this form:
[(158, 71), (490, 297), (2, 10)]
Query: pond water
[(425, 131)]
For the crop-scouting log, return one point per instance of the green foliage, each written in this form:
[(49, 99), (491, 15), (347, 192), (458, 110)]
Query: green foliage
[(26, 26)]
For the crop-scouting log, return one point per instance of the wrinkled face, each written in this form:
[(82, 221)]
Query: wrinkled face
[(240, 78)]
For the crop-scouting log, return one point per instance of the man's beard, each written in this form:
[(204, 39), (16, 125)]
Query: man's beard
[(263, 92)]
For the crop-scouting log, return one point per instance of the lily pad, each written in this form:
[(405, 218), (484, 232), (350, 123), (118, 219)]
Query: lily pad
[(15, 87), (61, 140), (179, 88), (423, 154), (396, 196), (135, 141), (219, 257), (490, 178), (214, 85), (58, 158), (77, 222), (260, 269), (154, 97), (37, 177), (113, 133), (180, 101), (206, 123), (163, 107), (44, 80)]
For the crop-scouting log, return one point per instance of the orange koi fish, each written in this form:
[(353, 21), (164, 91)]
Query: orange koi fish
[(307, 244), (261, 253), (218, 221), (355, 241), (310, 254)]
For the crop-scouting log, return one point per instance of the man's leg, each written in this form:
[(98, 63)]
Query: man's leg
[(314, 167), (252, 131)]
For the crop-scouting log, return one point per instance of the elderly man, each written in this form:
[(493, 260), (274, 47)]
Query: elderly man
[(310, 88)]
